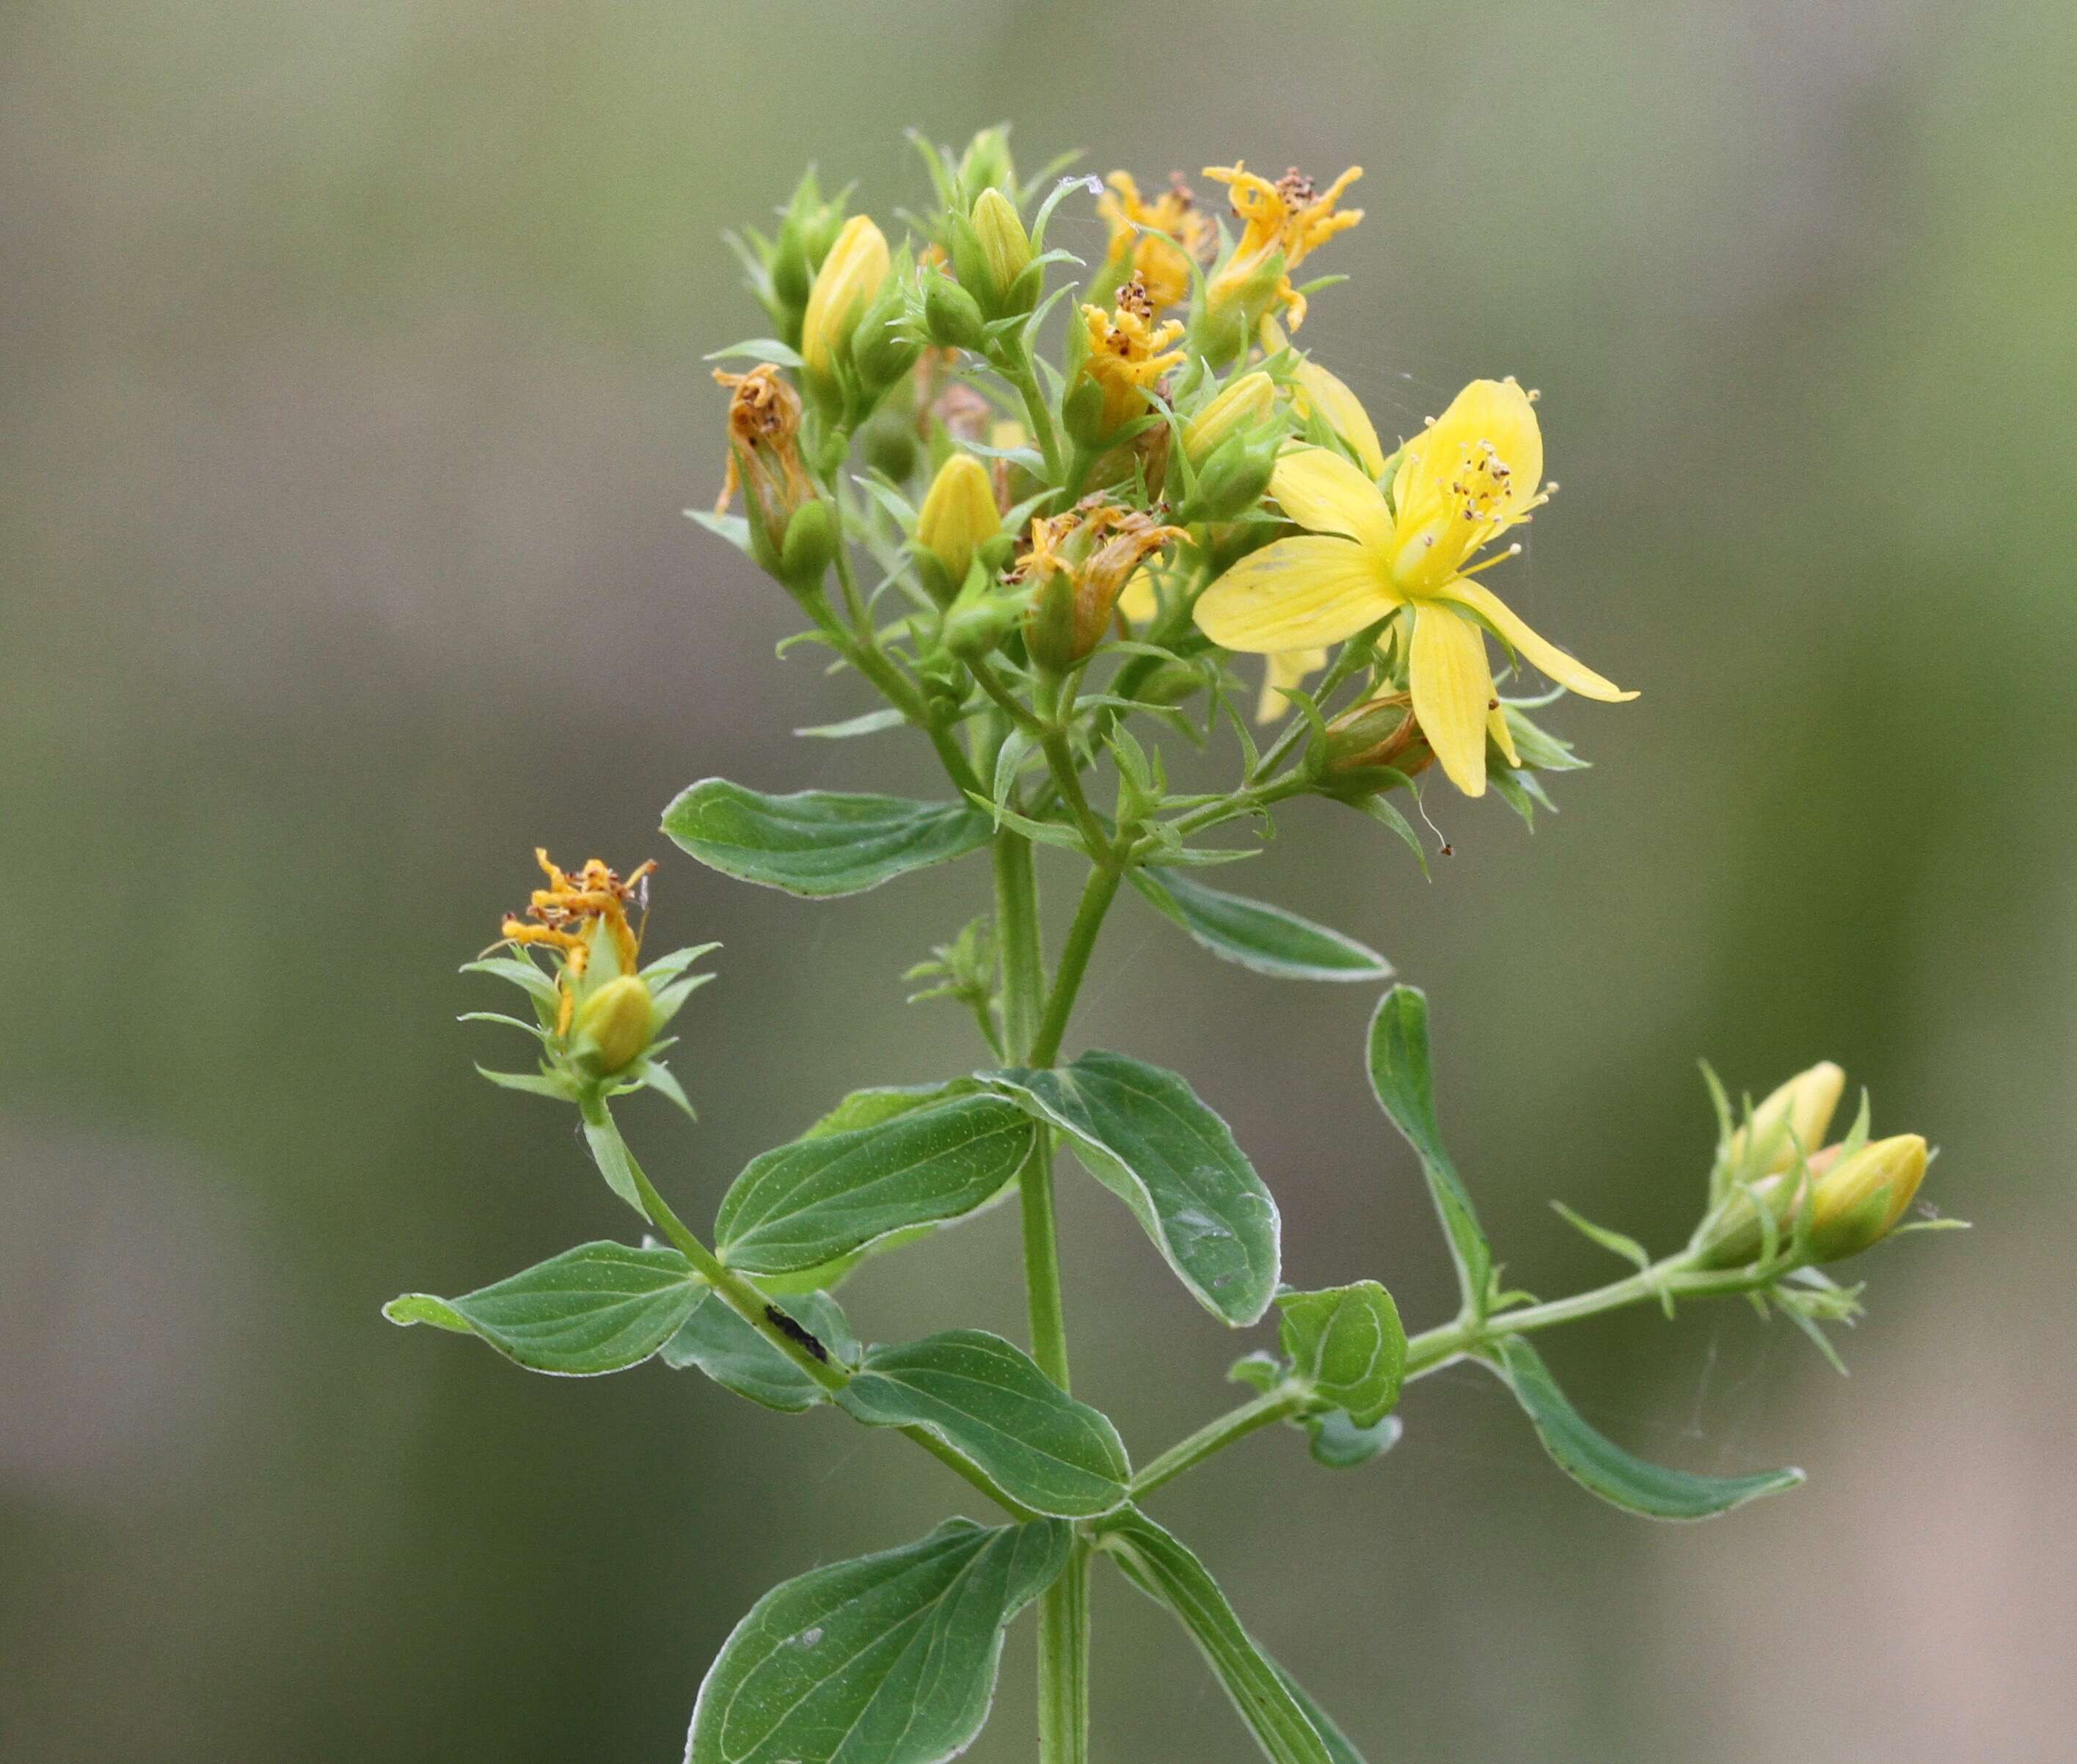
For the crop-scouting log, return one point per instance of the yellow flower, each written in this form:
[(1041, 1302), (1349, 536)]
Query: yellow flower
[(1128, 353), (851, 276), (1476, 473), (1286, 669), (1162, 238), (1281, 223), (1314, 389), (583, 917)]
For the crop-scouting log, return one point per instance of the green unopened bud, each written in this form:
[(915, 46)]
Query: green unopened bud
[(884, 345), (1249, 403), (980, 619), (890, 445), (1232, 480), (809, 547), (613, 1026), (1793, 1118), (986, 164), (1858, 1202), (1004, 254), (806, 232), (959, 517), (951, 314)]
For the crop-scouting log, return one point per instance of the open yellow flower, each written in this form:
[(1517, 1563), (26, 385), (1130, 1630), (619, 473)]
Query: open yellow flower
[(1476, 472), (1162, 238)]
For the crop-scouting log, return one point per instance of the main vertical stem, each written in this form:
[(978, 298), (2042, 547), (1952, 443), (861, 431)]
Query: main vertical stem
[(1063, 1623)]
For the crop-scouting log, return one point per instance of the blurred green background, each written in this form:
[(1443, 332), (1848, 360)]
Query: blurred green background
[(352, 359)]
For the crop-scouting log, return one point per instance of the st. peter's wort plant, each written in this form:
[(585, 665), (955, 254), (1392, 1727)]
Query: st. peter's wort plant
[(1047, 567)]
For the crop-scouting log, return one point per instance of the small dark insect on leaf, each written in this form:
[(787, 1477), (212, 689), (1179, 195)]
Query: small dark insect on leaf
[(792, 1331)]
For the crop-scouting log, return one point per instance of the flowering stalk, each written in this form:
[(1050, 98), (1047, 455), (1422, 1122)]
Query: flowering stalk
[(1071, 563)]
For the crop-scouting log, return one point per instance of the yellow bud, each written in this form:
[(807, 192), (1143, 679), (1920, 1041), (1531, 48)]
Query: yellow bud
[(613, 1026), (1860, 1202), (1005, 247), (1795, 1115), (851, 275), (959, 515), (1247, 401)]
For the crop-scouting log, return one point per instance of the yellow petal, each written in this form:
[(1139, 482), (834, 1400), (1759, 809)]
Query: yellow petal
[(1452, 688), (1299, 593), (1495, 413), (1323, 492), (1503, 736), (1285, 671), (1343, 412), (1573, 675), (1138, 601)]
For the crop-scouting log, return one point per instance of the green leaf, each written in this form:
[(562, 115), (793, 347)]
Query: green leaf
[(736, 1356), (1400, 1076), (1337, 1742), (989, 1401), (1613, 1242), (832, 1194), (1266, 938), (883, 1102), (1347, 1343), (1165, 1569), (888, 1659), (870, 722), (1603, 1468), (758, 349), (599, 1308), (1339, 1444), (818, 842), (1142, 1133)]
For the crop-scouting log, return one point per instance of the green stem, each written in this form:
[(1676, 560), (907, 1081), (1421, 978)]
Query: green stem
[(1676, 1277), (1098, 894), (1063, 1621), (874, 665), (1063, 1663), (1274, 1405), (1014, 365)]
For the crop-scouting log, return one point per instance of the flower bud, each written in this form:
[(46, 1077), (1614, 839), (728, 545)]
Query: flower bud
[(1793, 1118), (1858, 1202), (978, 622), (612, 1026), (959, 517), (809, 548), (1382, 733), (806, 232), (1004, 254), (986, 164), (884, 344), (851, 276), (951, 315), (1232, 480), (1247, 404)]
